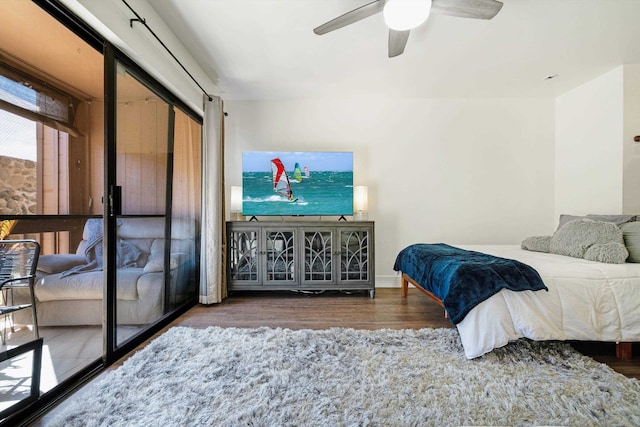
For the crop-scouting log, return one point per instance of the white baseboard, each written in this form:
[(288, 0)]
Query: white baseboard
[(388, 281)]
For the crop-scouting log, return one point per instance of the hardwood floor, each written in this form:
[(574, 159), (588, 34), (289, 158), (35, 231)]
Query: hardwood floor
[(335, 309)]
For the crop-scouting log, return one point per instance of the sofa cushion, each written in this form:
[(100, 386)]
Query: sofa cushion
[(58, 263), (179, 255), (86, 286), (156, 263), (153, 228), (144, 246)]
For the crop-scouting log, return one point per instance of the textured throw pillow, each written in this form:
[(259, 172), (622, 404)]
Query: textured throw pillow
[(576, 237), (631, 235), (537, 243), (612, 253)]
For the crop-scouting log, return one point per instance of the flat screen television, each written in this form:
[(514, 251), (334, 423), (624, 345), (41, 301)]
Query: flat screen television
[(297, 183)]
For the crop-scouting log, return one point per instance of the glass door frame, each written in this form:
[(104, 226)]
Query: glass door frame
[(112, 201)]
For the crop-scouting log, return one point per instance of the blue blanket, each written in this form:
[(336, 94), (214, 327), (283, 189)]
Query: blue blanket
[(462, 279)]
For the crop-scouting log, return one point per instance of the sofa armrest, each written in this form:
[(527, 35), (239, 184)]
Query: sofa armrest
[(57, 263)]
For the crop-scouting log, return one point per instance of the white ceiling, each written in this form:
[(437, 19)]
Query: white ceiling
[(266, 49)]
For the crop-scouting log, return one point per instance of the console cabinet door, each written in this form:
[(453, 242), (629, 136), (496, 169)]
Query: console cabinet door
[(280, 266), (318, 255), (355, 255), (243, 254)]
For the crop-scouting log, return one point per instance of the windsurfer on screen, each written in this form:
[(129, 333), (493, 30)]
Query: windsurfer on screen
[(280, 180)]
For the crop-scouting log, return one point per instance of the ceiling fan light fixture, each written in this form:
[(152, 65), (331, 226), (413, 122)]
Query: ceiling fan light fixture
[(402, 15)]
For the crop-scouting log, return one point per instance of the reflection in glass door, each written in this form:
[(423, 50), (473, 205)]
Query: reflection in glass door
[(154, 205), (143, 170)]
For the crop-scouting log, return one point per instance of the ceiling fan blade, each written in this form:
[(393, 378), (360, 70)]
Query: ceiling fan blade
[(476, 9), (397, 42), (350, 17)]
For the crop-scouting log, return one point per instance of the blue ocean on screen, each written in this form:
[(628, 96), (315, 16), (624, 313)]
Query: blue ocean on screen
[(308, 183), (324, 193)]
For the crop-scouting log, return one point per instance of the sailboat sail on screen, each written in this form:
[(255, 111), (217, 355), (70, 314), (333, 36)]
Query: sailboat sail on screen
[(281, 184), (297, 173)]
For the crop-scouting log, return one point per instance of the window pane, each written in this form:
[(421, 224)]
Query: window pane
[(18, 179), (24, 91)]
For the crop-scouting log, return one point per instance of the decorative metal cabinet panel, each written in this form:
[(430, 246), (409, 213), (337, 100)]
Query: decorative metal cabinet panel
[(242, 259), (355, 246), (280, 252), (318, 256), (309, 256)]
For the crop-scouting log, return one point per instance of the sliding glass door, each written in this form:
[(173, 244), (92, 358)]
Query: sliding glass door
[(99, 164), (153, 177)]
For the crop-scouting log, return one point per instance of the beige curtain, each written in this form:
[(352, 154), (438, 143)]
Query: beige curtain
[(212, 272), (187, 168)]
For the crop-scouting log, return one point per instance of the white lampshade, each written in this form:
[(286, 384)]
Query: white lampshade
[(402, 15), (236, 202), (360, 198)]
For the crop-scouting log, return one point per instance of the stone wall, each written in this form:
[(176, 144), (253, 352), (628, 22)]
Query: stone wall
[(17, 186)]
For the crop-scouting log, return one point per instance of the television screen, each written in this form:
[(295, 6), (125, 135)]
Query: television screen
[(297, 183)]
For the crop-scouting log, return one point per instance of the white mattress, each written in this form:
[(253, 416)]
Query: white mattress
[(587, 301)]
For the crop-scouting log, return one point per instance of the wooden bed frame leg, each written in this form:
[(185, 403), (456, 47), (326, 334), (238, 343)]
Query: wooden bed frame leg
[(624, 350), (404, 291), (404, 288)]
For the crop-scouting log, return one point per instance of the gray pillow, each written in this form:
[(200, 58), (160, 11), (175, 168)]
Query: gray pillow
[(564, 218), (631, 235), (612, 253), (537, 243), (576, 237), (616, 219)]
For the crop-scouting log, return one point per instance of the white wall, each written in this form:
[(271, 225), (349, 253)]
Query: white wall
[(110, 18), (589, 151), (438, 170), (631, 184)]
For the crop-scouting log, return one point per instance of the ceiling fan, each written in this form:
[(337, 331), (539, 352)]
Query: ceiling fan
[(403, 15)]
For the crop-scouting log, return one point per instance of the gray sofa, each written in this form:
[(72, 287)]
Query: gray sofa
[(65, 298)]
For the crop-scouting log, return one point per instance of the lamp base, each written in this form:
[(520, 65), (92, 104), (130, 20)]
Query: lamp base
[(360, 216)]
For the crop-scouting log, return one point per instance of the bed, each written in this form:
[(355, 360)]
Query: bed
[(583, 300)]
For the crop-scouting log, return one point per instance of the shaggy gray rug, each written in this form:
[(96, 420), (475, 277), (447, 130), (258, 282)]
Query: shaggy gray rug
[(346, 377)]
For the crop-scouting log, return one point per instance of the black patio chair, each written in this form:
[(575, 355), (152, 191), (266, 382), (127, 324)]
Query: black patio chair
[(18, 263)]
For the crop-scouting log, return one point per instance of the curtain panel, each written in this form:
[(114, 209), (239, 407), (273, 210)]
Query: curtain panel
[(213, 255)]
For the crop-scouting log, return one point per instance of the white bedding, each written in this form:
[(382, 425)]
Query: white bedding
[(587, 300)]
